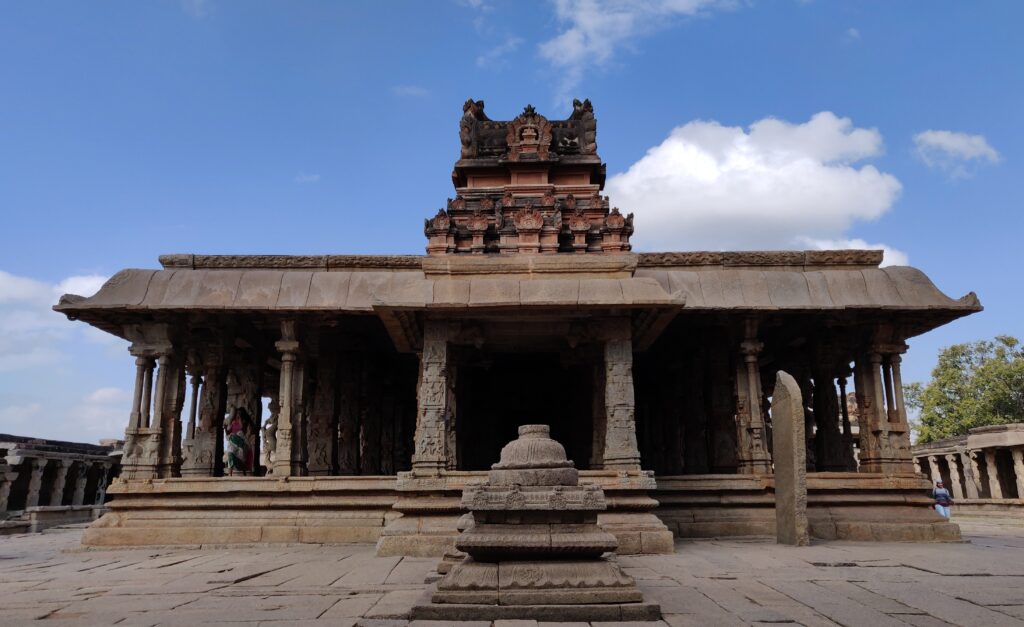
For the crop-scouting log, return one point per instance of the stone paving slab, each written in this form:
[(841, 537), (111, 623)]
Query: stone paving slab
[(48, 580)]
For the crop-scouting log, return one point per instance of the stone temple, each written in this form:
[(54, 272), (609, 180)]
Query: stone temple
[(393, 382)]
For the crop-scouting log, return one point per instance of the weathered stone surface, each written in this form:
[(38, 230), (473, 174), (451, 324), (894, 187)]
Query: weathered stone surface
[(789, 454)]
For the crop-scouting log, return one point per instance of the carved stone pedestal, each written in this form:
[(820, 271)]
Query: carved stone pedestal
[(535, 549)]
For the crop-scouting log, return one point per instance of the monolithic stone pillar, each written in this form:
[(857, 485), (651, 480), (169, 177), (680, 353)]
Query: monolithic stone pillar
[(202, 452), (620, 446), (848, 454), (141, 442), (976, 472), (193, 405), (243, 390), (80, 474), (954, 477), (61, 466), (348, 413), (599, 418), (321, 439), (429, 454), (994, 488), (933, 466), (8, 475), (751, 450), (828, 440), (101, 484), (791, 525), (1018, 470), (884, 430), (288, 457), (170, 398), (36, 466)]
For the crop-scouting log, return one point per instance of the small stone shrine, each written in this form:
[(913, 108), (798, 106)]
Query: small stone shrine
[(535, 549)]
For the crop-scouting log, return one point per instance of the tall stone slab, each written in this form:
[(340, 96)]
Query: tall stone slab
[(789, 453)]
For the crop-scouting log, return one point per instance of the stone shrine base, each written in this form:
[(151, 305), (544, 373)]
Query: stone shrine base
[(49, 578), (338, 510)]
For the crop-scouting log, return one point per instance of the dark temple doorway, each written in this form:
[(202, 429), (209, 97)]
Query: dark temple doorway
[(498, 392)]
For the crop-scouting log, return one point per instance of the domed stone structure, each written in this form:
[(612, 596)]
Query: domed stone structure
[(535, 549)]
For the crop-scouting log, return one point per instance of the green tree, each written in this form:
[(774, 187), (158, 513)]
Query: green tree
[(975, 384)]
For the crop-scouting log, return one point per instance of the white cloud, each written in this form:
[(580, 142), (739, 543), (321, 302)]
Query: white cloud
[(594, 30), (774, 185), (954, 153), (494, 56), (305, 179), (31, 334), (16, 417), (852, 34), (409, 91), (104, 411)]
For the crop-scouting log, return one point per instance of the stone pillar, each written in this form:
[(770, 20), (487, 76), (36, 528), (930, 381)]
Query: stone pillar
[(884, 430), (36, 466), (828, 440), (791, 525), (167, 405), (976, 473), (848, 453), (288, 457), (141, 442), (933, 466), (101, 485), (81, 477), (429, 454), (994, 488), (8, 475), (321, 441), (60, 478), (620, 446), (202, 452), (751, 451), (599, 417), (954, 477), (1018, 469)]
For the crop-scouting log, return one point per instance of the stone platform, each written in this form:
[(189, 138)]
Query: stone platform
[(47, 579)]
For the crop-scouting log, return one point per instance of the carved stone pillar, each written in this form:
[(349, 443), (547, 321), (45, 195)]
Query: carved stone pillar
[(994, 488), (955, 477), (599, 418), (8, 475), (243, 391), (288, 457), (429, 454), (80, 474), (751, 448), (828, 440), (141, 442), (322, 419), (167, 406), (36, 466), (101, 484), (620, 446), (60, 477), (202, 451), (848, 452), (933, 466), (979, 490), (970, 481), (1018, 470), (884, 430)]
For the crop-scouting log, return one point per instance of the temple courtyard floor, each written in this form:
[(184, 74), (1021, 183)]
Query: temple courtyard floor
[(47, 579)]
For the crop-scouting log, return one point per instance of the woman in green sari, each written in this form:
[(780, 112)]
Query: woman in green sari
[(238, 453)]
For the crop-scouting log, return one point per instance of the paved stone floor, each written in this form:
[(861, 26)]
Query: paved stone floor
[(46, 580)]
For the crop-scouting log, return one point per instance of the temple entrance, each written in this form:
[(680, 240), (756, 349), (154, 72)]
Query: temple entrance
[(498, 392)]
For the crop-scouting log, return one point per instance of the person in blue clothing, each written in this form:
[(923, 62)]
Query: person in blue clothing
[(942, 499)]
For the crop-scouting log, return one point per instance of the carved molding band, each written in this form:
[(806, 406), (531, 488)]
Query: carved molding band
[(289, 261), (763, 258)]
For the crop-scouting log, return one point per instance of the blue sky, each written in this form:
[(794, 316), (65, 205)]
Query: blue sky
[(131, 129)]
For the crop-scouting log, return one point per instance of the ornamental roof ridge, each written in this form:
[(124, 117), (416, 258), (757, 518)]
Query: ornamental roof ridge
[(278, 262), (847, 257)]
